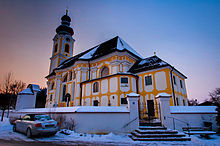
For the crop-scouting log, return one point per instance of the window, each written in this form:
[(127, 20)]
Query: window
[(184, 102), (124, 101), (96, 87), (181, 84), (174, 80), (55, 48), (67, 48), (27, 117), (177, 101), (52, 86), (124, 80), (64, 93), (104, 71), (95, 103), (148, 80), (51, 97)]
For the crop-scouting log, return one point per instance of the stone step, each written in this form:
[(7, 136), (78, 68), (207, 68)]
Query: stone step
[(156, 131), (152, 128), (160, 138), (156, 135)]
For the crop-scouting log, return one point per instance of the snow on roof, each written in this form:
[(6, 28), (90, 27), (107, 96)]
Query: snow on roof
[(89, 54), (26, 91), (163, 94), (121, 45), (76, 109), (193, 109), (35, 87)]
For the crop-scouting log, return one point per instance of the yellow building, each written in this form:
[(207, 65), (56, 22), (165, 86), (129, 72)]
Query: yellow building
[(106, 73)]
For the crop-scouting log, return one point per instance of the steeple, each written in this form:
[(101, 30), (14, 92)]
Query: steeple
[(63, 43), (65, 28)]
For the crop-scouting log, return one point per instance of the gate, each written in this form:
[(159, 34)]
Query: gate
[(147, 110)]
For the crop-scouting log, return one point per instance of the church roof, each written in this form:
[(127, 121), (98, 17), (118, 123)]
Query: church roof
[(150, 63), (115, 44)]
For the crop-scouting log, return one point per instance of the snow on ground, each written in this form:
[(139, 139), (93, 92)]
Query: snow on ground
[(73, 138)]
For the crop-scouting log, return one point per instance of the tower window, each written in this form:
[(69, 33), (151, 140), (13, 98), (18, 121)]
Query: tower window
[(55, 48), (51, 97), (174, 80), (52, 86), (104, 71), (181, 84), (95, 87), (67, 48), (148, 80)]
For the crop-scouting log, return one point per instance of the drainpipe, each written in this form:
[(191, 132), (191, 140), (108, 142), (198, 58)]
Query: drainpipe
[(171, 78), (139, 107), (80, 95), (89, 69)]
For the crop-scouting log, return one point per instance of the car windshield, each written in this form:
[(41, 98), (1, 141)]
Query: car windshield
[(41, 117)]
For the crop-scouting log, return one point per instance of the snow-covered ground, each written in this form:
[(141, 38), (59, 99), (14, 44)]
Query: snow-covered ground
[(6, 133)]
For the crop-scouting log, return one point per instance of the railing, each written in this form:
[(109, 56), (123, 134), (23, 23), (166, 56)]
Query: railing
[(130, 122), (174, 124)]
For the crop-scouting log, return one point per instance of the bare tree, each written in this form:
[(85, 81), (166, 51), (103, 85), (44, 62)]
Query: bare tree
[(215, 96), (8, 79), (9, 90)]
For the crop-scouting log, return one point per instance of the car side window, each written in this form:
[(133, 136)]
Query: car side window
[(27, 117)]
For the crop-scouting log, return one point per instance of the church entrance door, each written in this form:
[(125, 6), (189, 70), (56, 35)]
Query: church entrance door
[(150, 108)]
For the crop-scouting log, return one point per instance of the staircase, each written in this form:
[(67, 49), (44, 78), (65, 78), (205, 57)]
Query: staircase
[(154, 131)]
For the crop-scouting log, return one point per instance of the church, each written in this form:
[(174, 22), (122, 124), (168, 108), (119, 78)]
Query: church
[(104, 74)]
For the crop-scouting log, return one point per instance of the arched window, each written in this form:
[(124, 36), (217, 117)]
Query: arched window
[(64, 93), (104, 71), (52, 86), (67, 48), (55, 48), (51, 97), (95, 87)]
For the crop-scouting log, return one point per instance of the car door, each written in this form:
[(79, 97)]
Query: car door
[(24, 123)]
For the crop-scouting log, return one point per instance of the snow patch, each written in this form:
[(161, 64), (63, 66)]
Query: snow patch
[(193, 109), (89, 54), (163, 94), (121, 45)]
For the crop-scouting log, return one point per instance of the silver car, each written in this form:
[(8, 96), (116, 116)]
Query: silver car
[(33, 125)]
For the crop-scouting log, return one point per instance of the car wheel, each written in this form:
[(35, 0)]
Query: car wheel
[(14, 128), (28, 133)]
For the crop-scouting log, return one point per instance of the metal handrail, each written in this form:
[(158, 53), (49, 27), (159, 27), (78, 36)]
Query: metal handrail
[(178, 120), (130, 122)]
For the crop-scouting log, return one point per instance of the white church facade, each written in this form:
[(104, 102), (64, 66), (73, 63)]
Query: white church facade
[(106, 73)]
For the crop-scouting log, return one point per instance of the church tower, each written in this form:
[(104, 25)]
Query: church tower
[(63, 43)]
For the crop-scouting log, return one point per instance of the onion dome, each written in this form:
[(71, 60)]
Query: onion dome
[(65, 28)]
